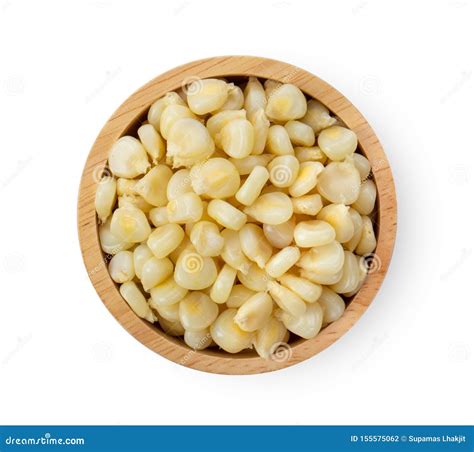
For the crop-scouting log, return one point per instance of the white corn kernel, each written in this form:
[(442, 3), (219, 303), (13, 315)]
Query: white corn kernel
[(158, 216), (152, 142), (125, 186), (179, 184), (337, 142), (350, 274), (261, 125), (307, 179), (154, 271), (237, 138), (239, 295), (367, 241), (130, 224), (326, 259), (188, 143), (366, 201), (165, 239), (307, 204), (362, 165), (339, 182), (307, 154), (216, 122), (357, 222), (271, 208), (306, 325), (300, 133), (216, 178), (363, 271), (332, 304), (338, 216), (283, 170), (140, 255), (270, 86), (193, 271), (254, 95), (197, 311), (105, 198), (286, 102), (109, 243), (255, 312), (227, 335), (135, 299), (171, 114), (319, 278), (206, 238), (313, 233), (121, 267), (167, 293), (185, 208), (251, 188), (247, 164), (135, 201), (157, 108), (317, 116), (171, 328), (222, 286), (198, 340), (254, 244), (305, 289), (269, 337), (127, 158), (286, 299), (226, 214), (235, 99), (282, 261), (278, 141), (280, 235), (255, 279), (169, 312), (207, 95), (232, 251), (152, 186)]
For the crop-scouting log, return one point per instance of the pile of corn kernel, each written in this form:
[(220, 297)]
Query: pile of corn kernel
[(237, 215)]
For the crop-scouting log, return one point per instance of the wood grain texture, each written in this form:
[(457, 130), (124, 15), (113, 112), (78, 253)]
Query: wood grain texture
[(126, 118)]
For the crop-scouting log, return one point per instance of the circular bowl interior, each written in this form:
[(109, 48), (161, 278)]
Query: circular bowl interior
[(127, 119)]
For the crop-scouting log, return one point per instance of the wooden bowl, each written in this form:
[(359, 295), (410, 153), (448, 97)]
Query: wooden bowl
[(127, 119)]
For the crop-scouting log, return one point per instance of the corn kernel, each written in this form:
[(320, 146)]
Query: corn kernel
[(357, 222), (255, 312), (216, 178), (105, 198), (140, 255), (278, 141), (306, 325), (254, 95), (226, 214), (350, 274), (339, 182), (109, 243), (127, 158), (198, 340), (135, 201), (207, 95), (254, 244), (283, 170), (362, 165), (197, 311), (269, 337), (308, 154), (193, 271), (222, 286), (167, 293), (300, 133), (239, 295), (313, 233), (247, 164), (216, 122), (337, 142), (332, 304), (280, 235), (130, 224), (365, 203), (305, 289), (154, 271), (232, 251), (157, 108), (206, 238), (307, 178), (158, 216), (270, 86), (255, 279), (261, 126), (171, 114), (235, 99), (338, 216), (286, 299), (169, 312), (237, 138), (171, 328), (282, 261), (185, 208), (125, 186), (326, 259), (121, 267), (286, 102), (317, 116), (136, 301), (152, 142), (251, 188), (165, 239), (367, 241), (271, 208), (227, 335), (319, 278), (152, 186)]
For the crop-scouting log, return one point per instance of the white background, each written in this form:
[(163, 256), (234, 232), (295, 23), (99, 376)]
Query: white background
[(66, 66)]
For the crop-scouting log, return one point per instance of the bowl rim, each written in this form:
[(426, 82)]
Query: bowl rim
[(131, 111)]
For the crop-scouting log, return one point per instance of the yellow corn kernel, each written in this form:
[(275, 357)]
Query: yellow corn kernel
[(140, 255), (216, 178), (247, 164), (121, 267), (105, 198), (313, 233), (226, 214), (278, 141), (300, 133), (332, 304), (305, 289), (254, 96), (206, 238), (207, 95), (216, 122), (317, 116), (171, 114), (255, 312), (261, 126), (286, 102), (269, 337), (326, 259), (155, 271), (188, 143), (350, 274), (222, 286), (239, 294), (271, 208), (339, 183), (365, 203), (185, 208), (167, 293), (362, 165), (251, 188), (135, 299), (357, 222), (286, 299), (152, 186), (158, 216), (280, 235), (283, 170), (310, 154), (367, 241), (197, 311), (307, 204), (152, 142), (198, 340), (128, 158), (235, 99), (255, 279), (232, 251), (237, 138), (130, 224), (165, 239), (254, 244), (227, 335), (109, 243), (157, 108), (308, 324), (125, 186), (282, 261), (338, 216), (337, 142), (193, 271), (307, 178)]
